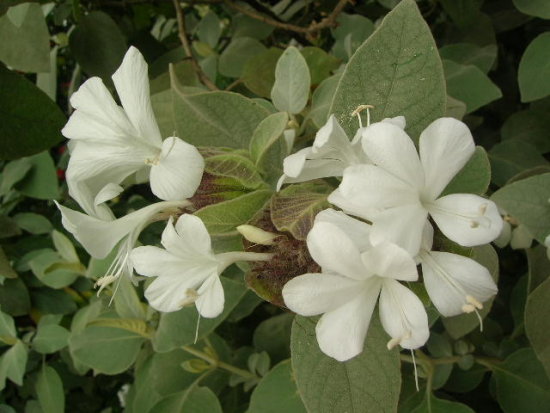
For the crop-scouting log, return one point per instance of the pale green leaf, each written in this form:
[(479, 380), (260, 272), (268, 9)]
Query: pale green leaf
[(194, 400), (321, 101), (41, 182), (369, 382), (12, 173), (13, 363), (534, 69), (8, 334), (33, 223), (320, 63), (235, 56), (527, 201), (127, 303), (397, 70), (290, 91), (259, 72), (50, 338), (64, 247), (209, 29), (49, 390)]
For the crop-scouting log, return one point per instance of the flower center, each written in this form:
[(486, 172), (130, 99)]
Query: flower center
[(475, 219)]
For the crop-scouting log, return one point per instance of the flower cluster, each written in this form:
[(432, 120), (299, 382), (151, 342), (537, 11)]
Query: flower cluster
[(387, 194)]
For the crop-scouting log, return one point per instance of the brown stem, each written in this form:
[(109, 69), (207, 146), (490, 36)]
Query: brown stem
[(187, 48)]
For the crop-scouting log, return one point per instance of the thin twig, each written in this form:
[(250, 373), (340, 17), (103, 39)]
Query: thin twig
[(187, 48)]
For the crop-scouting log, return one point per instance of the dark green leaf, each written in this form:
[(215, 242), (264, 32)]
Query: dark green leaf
[(534, 69), (537, 323), (471, 54), (510, 157), (473, 178), (259, 72), (234, 58)]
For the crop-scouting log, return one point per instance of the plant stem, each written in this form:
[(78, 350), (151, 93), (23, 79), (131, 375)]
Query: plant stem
[(219, 364)]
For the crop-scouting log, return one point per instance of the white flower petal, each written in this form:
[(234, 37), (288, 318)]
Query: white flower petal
[(427, 237), (331, 138), (312, 294), (389, 147), (505, 235), (467, 219), (211, 298), (357, 231), (366, 190), (445, 147), (188, 239), (107, 193), (387, 260), (450, 278), (132, 85), (401, 225), (335, 252), (178, 173), (293, 164), (403, 316), (341, 333), (398, 121)]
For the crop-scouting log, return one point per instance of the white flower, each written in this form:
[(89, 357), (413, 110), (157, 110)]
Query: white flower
[(455, 284), (347, 289), (399, 191), (99, 237), (187, 269), (109, 143)]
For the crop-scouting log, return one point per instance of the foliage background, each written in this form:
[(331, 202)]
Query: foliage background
[(62, 348)]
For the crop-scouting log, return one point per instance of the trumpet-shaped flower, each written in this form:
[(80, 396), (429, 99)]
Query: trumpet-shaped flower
[(99, 237), (347, 289), (400, 189), (455, 284), (187, 271), (109, 143)]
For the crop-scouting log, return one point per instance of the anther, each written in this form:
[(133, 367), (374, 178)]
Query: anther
[(483, 209), (104, 282), (474, 224), (468, 308), (474, 302), (191, 296), (357, 112)]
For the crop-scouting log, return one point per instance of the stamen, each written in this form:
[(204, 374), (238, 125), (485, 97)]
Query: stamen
[(474, 302), (415, 371), (398, 340), (468, 308), (474, 224), (357, 112), (104, 282), (191, 296)]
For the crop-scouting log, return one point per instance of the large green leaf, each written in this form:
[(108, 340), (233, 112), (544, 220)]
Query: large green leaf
[(521, 383), (294, 208), (470, 85), (216, 118), (105, 349), (398, 70), (49, 390), (534, 69), (290, 91), (25, 43), (527, 201), (277, 392), (369, 382), (537, 322), (31, 122), (179, 328), (98, 44), (461, 325), (538, 8)]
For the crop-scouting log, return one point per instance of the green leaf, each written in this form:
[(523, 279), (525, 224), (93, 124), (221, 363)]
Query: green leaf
[(471, 54), (209, 29), (277, 392), (216, 118), (268, 146), (397, 70), (290, 91), (369, 382), (527, 201), (273, 336), (226, 216), (352, 30), (461, 325), (13, 363), (537, 323), (12, 173), (41, 181), (537, 8), (294, 208), (470, 85), (178, 328), (31, 121), (245, 26), (50, 338), (6, 270), (321, 101), (473, 178), (98, 44), (259, 72), (510, 157), (49, 390), (235, 56), (48, 268), (534, 69), (539, 266), (14, 297), (49, 301), (521, 383), (127, 303), (33, 223), (105, 349), (194, 400), (64, 247), (431, 404), (530, 126), (25, 46), (320, 63), (8, 334), (238, 167), (455, 108)]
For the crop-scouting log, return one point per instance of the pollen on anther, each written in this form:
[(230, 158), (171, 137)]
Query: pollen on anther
[(474, 224)]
